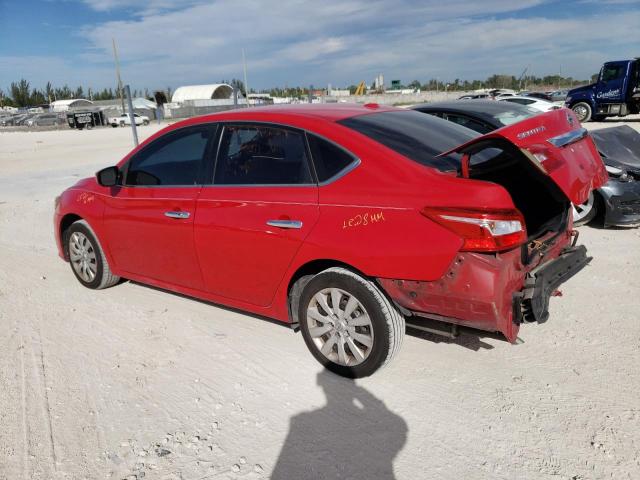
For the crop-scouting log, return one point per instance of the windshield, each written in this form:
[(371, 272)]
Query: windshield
[(508, 118), (415, 135)]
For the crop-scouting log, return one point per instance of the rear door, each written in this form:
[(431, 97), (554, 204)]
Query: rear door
[(253, 218), (556, 143)]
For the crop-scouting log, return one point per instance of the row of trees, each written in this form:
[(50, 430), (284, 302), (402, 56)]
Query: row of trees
[(20, 93)]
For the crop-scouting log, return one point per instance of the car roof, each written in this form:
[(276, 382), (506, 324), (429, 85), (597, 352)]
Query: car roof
[(480, 107), (331, 112)]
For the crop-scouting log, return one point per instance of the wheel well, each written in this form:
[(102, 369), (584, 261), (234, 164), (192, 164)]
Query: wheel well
[(303, 275), (68, 220)]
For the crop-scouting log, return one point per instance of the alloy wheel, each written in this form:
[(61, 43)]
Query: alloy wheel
[(340, 327), (83, 256), (582, 210)]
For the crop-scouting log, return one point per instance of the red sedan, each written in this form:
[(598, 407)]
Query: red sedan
[(343, 220)]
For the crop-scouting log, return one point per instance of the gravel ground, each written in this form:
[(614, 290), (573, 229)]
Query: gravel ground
[(132, 382)]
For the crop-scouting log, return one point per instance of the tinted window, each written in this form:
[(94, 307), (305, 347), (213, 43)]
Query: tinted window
[(521, 101), (612, 72), (328, 159), (258, 155), (469, 123), (415, 135), (173, 159)]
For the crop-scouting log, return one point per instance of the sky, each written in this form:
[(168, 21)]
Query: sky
[(168, 43)]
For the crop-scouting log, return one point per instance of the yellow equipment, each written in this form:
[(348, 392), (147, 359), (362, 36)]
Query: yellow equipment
[(361, 88)]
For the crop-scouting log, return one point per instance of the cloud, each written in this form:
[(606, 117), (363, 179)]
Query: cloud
[(177, 42)]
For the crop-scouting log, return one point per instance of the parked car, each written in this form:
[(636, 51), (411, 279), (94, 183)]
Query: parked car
[(618, 201), (22, 118), (344, 220), (559, 95), (42, 119), (532, 102), (124, 119), (474, 96), (540, 95)]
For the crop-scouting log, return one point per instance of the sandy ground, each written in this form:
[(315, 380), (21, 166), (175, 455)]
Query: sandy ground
[(132, 382)]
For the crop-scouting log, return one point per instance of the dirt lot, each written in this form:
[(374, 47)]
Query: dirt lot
[(132, 382)]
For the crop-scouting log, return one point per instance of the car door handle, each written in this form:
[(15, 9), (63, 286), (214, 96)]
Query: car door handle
[(177, 214), (285, 223)]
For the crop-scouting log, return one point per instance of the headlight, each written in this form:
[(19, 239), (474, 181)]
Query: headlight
[(567, 100)]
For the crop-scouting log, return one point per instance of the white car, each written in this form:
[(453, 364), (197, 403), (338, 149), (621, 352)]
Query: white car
[(531, 102), (124, 119)]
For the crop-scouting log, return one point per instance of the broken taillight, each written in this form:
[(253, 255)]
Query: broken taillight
[(482, 230)]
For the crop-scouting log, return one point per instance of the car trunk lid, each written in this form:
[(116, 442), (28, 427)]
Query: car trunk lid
[(557, 145)]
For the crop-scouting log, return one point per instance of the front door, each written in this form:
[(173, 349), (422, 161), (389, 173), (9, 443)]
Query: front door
[(149, 218), (261, 206), (611, 84)]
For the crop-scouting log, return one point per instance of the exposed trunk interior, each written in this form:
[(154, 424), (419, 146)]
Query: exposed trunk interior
[(541, 202)]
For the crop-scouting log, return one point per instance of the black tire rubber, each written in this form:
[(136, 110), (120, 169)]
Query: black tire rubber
[(114, 125), (145, 122), (388, 323), (589, 111), (122, 124), (104, 277)]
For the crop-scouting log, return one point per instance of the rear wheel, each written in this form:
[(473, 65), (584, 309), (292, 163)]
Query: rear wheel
[(585, 212), (582, 111), (122, 124), (348, 324), (87, 258)]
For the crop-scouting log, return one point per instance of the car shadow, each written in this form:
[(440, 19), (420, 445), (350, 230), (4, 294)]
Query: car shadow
[(354, 436), (467, 338)]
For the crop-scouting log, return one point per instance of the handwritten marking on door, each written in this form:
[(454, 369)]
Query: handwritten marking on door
[(362, 220), (85, 198)]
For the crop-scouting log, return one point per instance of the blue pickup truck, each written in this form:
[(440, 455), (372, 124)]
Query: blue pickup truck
[(616, 93)]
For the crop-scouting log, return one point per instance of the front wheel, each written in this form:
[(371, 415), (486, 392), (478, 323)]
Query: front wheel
[(87, 258), (585, 212), (145, 122), (122, 124), (348, 324), (582, 111)]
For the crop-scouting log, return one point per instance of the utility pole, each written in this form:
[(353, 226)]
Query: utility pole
[(115, 56), (132, 117), (246, 85)]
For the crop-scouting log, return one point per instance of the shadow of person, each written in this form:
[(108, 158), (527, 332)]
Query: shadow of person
[(354, 436)]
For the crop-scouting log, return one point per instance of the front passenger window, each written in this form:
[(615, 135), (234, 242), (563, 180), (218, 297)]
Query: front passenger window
[(173, 159)]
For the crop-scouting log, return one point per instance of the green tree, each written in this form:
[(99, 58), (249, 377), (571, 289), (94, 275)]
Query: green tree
[(20, 92)]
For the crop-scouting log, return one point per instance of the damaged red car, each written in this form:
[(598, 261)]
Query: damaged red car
[(345, 221)]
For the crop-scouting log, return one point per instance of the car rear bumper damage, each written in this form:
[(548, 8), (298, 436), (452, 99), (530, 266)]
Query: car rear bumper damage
[(488, 292), (622, 203)]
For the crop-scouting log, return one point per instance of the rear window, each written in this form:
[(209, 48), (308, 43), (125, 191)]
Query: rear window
[(514, 116), (415, 135)]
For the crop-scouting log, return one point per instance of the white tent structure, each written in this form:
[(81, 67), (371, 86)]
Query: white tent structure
[(64, 105), (216, 91)]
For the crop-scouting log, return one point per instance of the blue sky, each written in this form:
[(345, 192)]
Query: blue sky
[(176, 42)]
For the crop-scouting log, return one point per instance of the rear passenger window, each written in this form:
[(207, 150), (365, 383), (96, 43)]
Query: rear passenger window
[(328, 159), (261, 155)]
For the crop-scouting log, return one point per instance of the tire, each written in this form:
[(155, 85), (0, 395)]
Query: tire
[(582, 111), (583, 214), (356, 346), (114, 125), (82, 244), (145, 122), (122, 124)]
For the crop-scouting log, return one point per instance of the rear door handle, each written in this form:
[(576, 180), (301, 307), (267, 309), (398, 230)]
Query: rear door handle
[(285, 223), (177, 214)]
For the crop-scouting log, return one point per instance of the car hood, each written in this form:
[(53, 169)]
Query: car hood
[(584, 88), (619, 146)]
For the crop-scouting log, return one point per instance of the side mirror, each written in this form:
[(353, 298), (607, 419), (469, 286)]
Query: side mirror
[(108, 177)]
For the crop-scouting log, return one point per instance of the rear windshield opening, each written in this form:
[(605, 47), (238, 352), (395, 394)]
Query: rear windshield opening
[(415, 135)]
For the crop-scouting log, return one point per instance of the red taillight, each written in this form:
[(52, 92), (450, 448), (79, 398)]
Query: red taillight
[(482, 230)]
